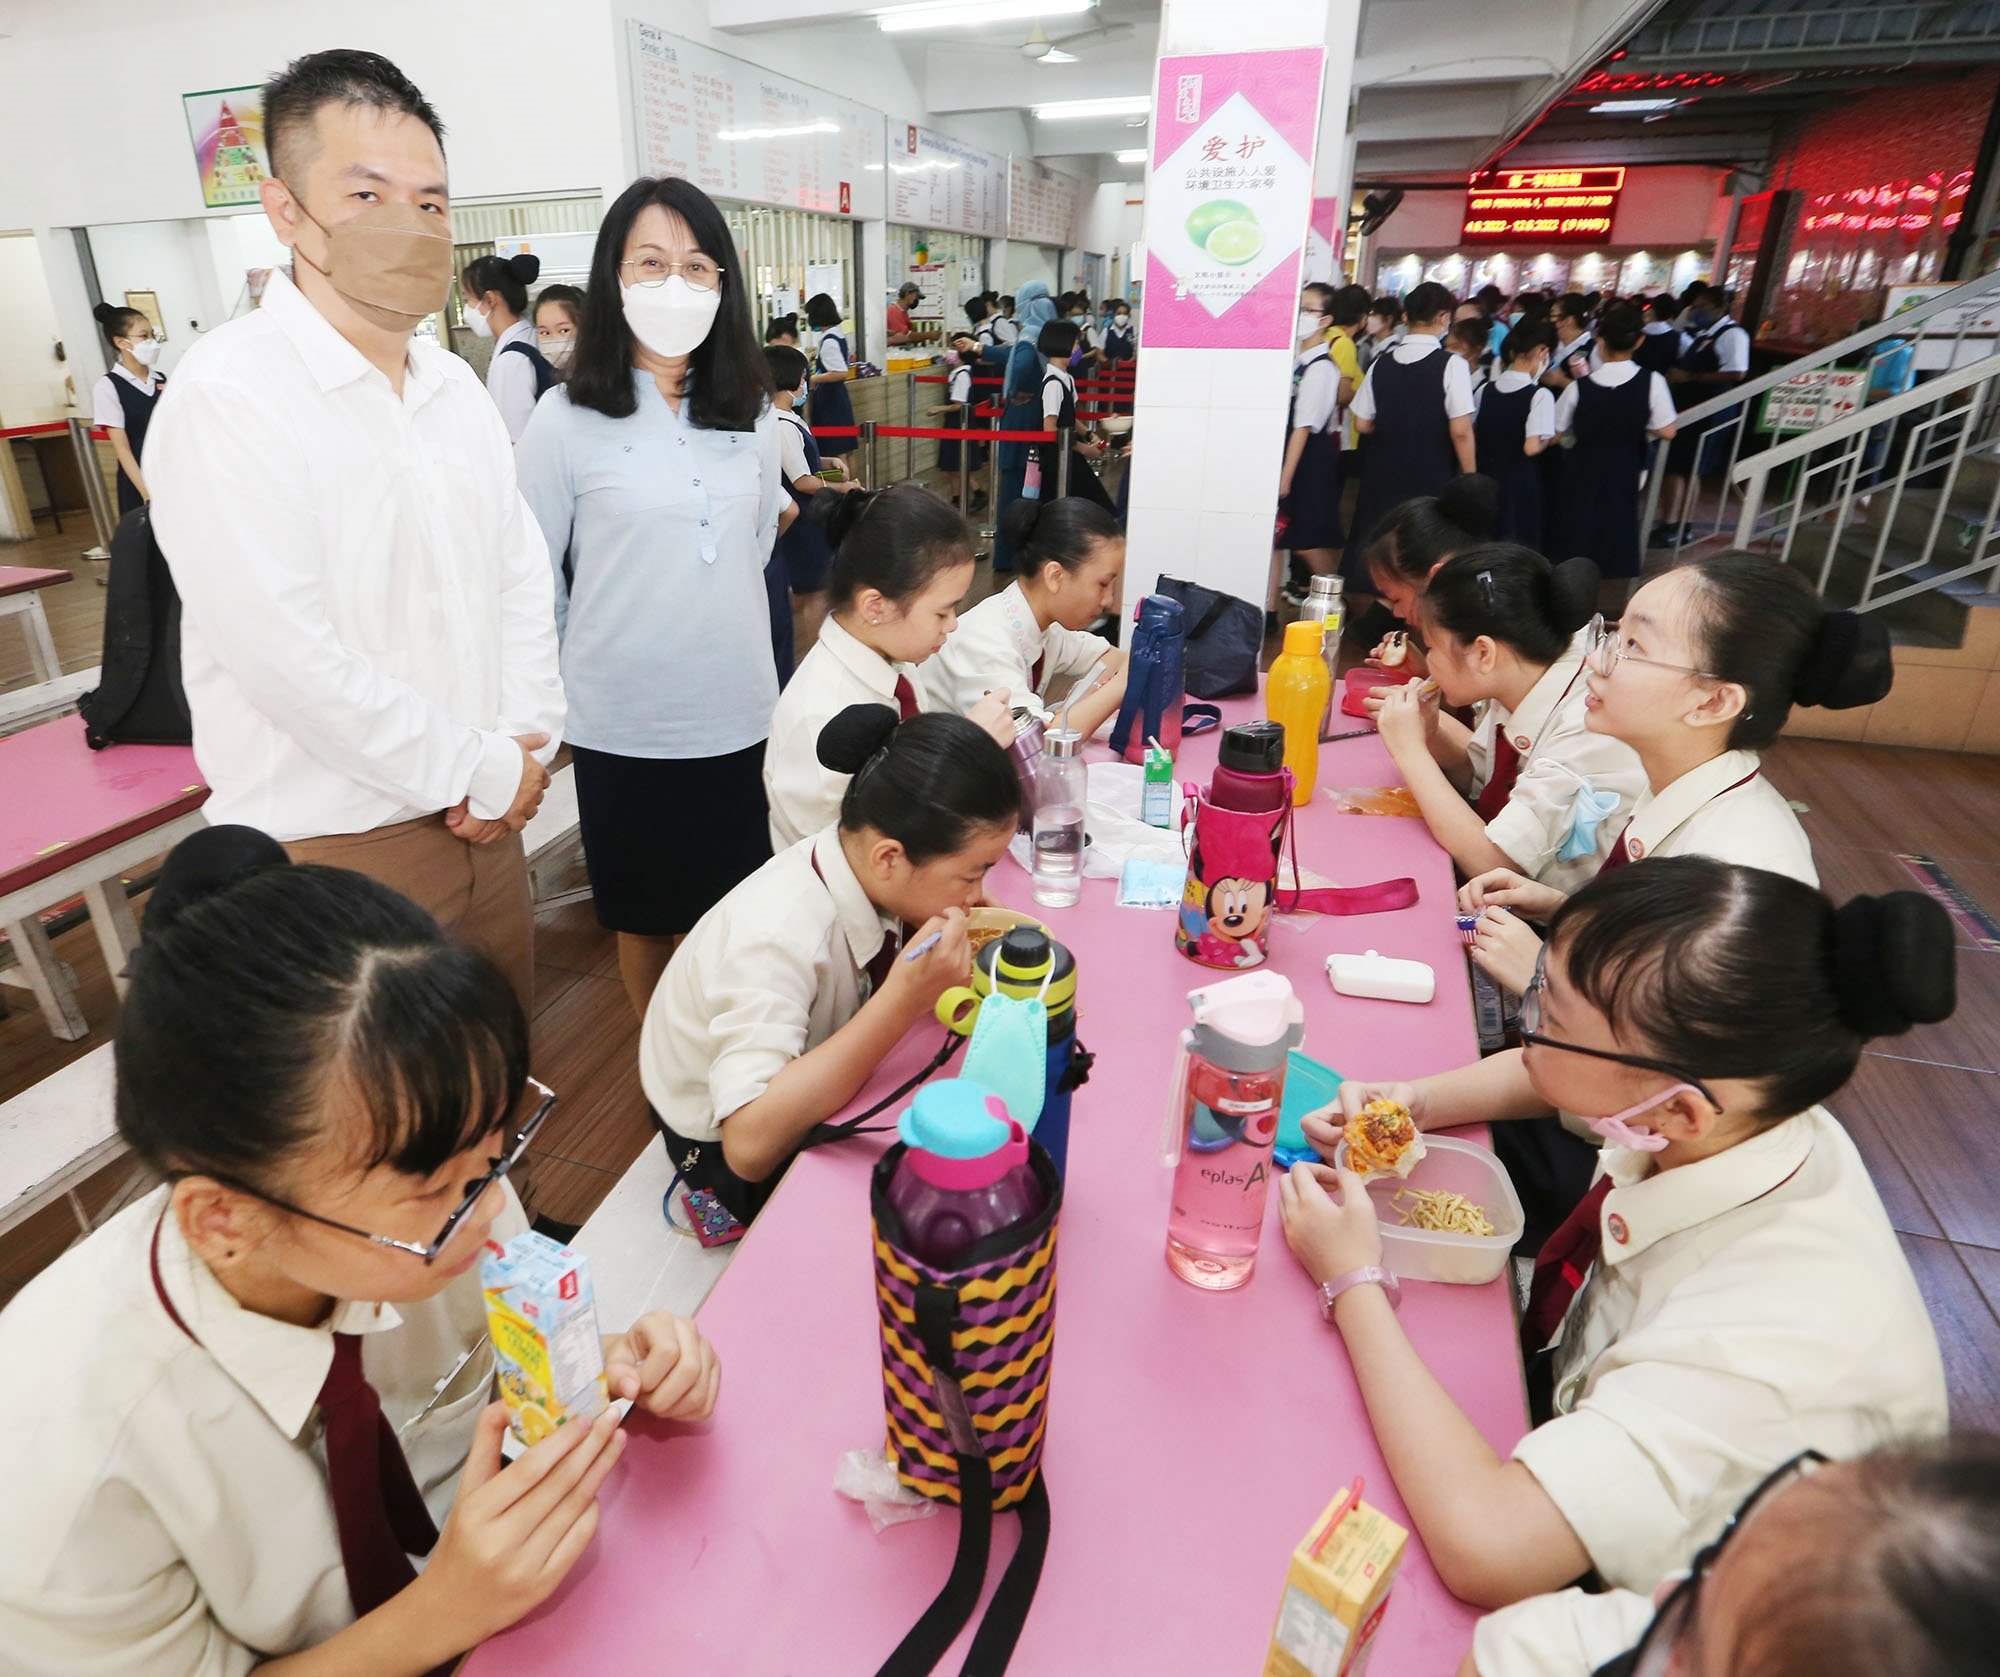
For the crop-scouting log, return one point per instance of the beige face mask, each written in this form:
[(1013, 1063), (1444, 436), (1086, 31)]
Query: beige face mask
[(391, 263)]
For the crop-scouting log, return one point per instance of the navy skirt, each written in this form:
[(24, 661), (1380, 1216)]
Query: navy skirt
[(1312, 510)]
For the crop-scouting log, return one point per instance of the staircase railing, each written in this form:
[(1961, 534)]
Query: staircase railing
[(1936, 331), (1886, 471)]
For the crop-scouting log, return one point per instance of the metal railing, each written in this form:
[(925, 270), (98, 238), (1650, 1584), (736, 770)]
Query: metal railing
[(1934, 333), (1886, 472)]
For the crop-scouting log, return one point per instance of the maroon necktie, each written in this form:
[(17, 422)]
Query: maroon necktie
[(1560, 1267), (1618, 856), (1499, 785), (377, 1509), (884, 962), (906, 699), (1035, 675)]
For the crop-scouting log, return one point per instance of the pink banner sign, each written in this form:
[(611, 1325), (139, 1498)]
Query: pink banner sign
[(1230, 197)]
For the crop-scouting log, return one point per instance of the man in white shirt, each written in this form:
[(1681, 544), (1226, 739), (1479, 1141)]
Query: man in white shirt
[(368, 630)]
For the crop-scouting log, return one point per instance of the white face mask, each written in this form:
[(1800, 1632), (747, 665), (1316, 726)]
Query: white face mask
[(804, 390), (146, 351), (670, 319), (475, 317), (557, 351), (1124, 320), (1311, 326)]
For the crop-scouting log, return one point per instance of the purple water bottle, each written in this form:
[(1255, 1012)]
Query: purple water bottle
[(966, 1174)]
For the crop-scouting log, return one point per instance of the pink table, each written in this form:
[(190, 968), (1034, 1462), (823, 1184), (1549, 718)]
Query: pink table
[(1193, 1437), (73, 820)]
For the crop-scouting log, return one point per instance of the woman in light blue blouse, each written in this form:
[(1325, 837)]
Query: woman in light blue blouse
[(656, 476)]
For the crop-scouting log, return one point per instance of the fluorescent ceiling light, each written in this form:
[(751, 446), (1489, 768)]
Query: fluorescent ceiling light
[(777, 133), (1138, 156), (971, 14), (1632, 107), (1073, 110)]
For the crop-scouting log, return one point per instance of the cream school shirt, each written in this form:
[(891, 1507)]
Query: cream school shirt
[(839, 671), (772, 970), (996, 645), (1560, 756), (1744, 1308), (1568, 1634), (167, 1506), (1707, 813)]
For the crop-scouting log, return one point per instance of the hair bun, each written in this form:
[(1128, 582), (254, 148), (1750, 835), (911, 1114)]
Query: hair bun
[(843, 509), (206, 863), (1894, 963), (525, 267), (1472, 502), (1573, 589), (854, 735), (105, 313), (1850, 663)]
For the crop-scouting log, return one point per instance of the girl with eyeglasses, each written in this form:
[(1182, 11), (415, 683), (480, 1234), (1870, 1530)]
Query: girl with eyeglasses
[(1888, 1563), (1729, 1293), (245, 1403), (657, 476), (1528, 786)]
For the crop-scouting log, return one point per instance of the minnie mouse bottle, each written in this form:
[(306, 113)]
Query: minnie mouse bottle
[(1223, 1122)]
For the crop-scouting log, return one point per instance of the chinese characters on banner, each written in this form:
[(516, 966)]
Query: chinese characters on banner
[(1230, 197), (227, 128)]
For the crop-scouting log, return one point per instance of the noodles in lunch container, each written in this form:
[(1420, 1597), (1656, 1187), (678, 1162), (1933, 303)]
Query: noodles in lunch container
[(1441, 1213)]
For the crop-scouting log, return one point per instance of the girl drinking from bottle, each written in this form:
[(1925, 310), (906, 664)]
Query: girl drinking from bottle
[(1529, 786), (249, 1398), (792, 989), (1033, 636), (904, 561), (1731, 1291)]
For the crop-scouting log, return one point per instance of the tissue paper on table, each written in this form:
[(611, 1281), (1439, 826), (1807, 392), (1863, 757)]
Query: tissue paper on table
[(1115, 834), (869, 1478)]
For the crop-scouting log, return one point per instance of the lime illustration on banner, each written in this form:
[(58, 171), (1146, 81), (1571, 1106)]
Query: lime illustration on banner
[(1231, 197)]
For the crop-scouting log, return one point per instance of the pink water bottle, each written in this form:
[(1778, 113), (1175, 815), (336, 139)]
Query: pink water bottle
[(965, 1174), (1228, 1088)]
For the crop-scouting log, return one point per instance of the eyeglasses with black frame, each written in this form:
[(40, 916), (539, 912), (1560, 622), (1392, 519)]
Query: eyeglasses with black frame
[(498, 1167), (1531, 1031), (1654, 1655)]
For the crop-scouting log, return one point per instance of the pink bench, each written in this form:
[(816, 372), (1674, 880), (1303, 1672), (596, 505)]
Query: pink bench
[(72, 822), (1193, 1437)]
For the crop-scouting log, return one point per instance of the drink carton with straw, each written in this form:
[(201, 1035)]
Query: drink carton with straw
[(542, 1313), (1336, 1591)]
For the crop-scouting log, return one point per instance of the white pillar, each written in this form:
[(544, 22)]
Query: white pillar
[(1209, 422)]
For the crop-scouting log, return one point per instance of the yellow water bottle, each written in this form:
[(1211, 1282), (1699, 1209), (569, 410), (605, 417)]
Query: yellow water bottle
[(1295, 694)]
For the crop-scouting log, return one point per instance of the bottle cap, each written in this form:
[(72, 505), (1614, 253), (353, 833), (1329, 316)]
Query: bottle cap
[(1305, 636), (1253, 748), (1326, 586), (1062, 742)]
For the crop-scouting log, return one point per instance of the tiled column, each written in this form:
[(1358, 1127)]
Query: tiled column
[(1209, 424)]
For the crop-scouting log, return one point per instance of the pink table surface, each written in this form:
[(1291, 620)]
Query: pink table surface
[(1193, 1436), (61, 802), (21, 579)]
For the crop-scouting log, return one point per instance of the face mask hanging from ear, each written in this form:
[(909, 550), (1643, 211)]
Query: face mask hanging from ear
[(1009, 1051), (391, 263)]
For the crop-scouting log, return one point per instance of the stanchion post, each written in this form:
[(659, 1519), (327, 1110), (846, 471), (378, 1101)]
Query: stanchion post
[(964, 464), (910, 424), (1063, 435), (103, 512), (992, 526), (871, 451)]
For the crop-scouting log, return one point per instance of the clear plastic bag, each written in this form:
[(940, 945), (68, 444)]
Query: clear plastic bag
[(869, 1478)]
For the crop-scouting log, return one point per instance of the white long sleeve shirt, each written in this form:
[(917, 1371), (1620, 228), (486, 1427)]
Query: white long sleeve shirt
[(367, 606), (510, 379)]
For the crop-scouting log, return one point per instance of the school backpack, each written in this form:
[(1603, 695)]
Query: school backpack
[(545, 372), (138, 699)]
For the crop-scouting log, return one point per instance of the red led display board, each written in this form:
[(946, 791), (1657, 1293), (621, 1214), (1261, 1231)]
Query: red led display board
[(1542, 206)]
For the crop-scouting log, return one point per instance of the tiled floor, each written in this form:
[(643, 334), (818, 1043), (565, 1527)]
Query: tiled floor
[(1925, 1109)]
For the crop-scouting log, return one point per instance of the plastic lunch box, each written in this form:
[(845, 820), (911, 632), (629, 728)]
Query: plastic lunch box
[(1454, 1167)]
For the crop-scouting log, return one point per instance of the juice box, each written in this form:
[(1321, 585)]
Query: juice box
[(1336, 1591), (542, 1313)]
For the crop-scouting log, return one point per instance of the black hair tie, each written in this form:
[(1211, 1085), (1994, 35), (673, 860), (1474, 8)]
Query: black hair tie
[(1832, 649)]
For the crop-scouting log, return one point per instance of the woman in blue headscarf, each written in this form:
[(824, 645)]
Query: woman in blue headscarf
[(1022, 399)]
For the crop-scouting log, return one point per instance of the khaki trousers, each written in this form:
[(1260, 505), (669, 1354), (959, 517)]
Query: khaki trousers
[(478, 893)]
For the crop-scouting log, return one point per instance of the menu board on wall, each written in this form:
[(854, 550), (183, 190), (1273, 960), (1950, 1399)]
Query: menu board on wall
[(1044, 205), (741, 132), (936, 181)]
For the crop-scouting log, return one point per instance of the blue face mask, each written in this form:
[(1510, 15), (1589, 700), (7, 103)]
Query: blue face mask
[(1586, 816), (1008, 1052)]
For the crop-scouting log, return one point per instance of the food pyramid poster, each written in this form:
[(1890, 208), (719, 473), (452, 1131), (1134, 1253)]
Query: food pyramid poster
[(227, 128)]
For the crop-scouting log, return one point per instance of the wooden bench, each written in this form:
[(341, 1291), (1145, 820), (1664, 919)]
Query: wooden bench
[(73, 822), (23, 707), (21, 596), (55, 1136)]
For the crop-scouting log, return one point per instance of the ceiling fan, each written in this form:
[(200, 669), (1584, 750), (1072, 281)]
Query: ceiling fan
[(1039, 49)]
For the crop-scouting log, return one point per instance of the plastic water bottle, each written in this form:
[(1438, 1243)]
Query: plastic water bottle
[(965, 1174), (1058, 832)]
